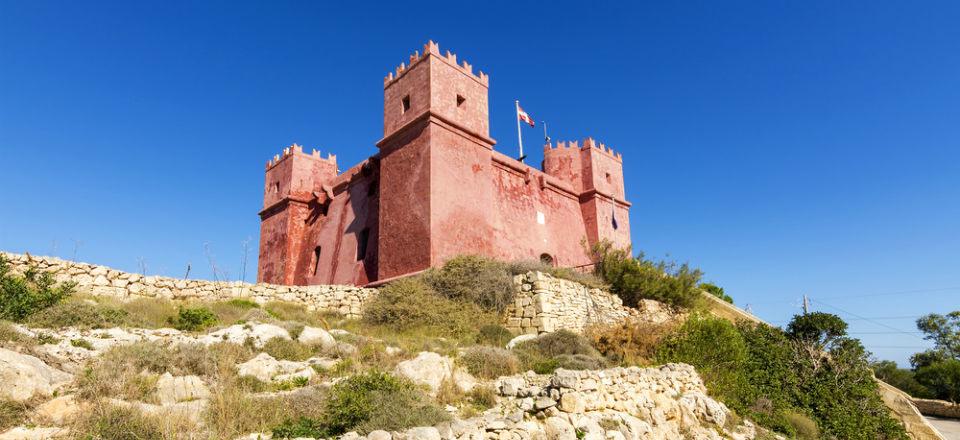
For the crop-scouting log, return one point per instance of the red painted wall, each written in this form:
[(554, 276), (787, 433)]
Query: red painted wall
[(435, 190)]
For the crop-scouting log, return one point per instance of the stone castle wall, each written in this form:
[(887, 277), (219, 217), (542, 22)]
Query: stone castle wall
[(99, 280)]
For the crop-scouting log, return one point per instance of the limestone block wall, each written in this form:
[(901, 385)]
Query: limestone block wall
[(545, 303), (938, 408), (99, 280)]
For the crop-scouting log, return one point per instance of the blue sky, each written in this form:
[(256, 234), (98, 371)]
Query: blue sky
[(783, 147)]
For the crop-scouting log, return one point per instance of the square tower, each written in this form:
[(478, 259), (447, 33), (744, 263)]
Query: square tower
[(435, 166)]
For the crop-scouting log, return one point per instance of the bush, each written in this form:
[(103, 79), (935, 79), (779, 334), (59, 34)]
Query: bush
[(473, 279), (12, 413), (560, 349), (942, 379), (287, 349), (193, 319), (10, 334), (114, 422), (489, 362), (716, 291), (410, 303), (22, 296), (79, 313), (630, 342), (804, 426), (633, 279), (364, 403), (495, 335), (901, 378)]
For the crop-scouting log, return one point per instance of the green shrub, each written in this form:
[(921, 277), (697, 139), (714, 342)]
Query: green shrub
[(580, 362), (495, 335), (242, 303), (942, 379), (410, 303), (716, 291), (483, 396), (489, 362), (473, 279), (901, 378), (193, 319), (79, 313), (366, 402), (22, 296), (287, 349), (82, 343), (633, 279), (804, 426)]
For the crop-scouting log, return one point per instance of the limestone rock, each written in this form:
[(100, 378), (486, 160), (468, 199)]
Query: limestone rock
[(35, 433), (428, 368), (24, 376), (171, 390), (379, 435), (423, 433), (317, 336), (572, 403), (557, 428), (259, 334), (520, 339), (59, 411), (266, 368)]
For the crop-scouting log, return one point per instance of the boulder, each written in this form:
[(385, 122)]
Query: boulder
[(379, 435), (266, 368), (59, 411), (520, 339), (259, 334), (172, 389), (557, 428), (317, 336), (423, 433), (35, 433), (428, 368), (24, 376)]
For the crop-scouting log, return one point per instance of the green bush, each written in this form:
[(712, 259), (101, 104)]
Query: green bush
[(901, 378), (410, 303), (366, 402), (193, 319), (495, 335), (716, 291), (765, 374), (22, 296), (79, 313), (804, 426), (489, 362), (633, 279), (942, 379), (473, 279)]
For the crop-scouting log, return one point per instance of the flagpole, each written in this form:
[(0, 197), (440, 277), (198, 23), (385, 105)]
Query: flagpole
[(519, 135)]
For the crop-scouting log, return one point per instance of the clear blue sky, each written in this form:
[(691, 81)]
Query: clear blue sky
[(783, 147)]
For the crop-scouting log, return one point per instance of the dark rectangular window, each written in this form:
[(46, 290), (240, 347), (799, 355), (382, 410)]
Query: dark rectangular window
[(316, 259), (406, 103), (362, 240)]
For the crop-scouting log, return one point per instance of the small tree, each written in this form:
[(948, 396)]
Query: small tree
[(35, 290), (633, 279)]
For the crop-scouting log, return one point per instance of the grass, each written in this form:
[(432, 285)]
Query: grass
[(560, 349), (630, 342), (287, 349), (489, 362), (12, 413), (9, 336)]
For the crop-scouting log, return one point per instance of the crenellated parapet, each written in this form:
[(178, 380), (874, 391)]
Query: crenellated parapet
[(296, 149), (588, 143), (433, 49)]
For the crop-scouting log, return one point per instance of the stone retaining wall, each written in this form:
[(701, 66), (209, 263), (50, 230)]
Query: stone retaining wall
[(937, 408), (103, 281), (545, 303)]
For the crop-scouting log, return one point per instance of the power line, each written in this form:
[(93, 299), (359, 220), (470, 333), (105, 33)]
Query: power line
[(900, 292), (866, 319)]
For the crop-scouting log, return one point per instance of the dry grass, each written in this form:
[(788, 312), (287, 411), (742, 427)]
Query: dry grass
[(287, 349), (489, 362), (104, 420), (631, 342), (9, 336), (287, 311), (12, 413)]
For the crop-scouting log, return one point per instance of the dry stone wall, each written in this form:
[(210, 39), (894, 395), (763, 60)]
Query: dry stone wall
[(103, 281), (545, 304), (938, 408)]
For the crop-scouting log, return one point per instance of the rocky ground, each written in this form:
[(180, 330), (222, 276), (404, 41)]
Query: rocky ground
[(667, 402)]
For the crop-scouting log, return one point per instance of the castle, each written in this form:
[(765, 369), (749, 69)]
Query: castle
[(435, 189)]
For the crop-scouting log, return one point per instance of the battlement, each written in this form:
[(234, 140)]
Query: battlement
[(587, 143), (433, 49), (298, 150)]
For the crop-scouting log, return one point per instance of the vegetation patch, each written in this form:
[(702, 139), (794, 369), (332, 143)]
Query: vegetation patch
[(287, 349), (489, 362), (24, 295), (193, 319), (630, 342), (411, 303), (636, 278), (78, 313), (560, 349)]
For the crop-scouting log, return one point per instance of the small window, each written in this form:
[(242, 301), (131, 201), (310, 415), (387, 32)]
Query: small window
[(276, 187), (609, 178), (460, 100), (316, 259), (362, 240), (406, 103), (546, 259)]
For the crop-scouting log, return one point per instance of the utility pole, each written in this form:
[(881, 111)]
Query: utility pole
[(806, 304)]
